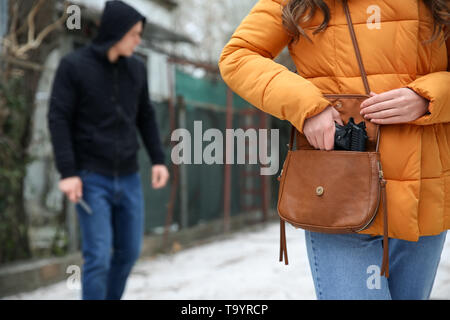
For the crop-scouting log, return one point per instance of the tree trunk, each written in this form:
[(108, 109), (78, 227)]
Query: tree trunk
[(18, 85)]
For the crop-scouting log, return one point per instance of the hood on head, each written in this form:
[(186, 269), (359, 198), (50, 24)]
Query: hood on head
[(117, 19)]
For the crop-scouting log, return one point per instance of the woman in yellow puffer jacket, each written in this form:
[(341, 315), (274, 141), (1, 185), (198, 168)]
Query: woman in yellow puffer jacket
[(405, 51)]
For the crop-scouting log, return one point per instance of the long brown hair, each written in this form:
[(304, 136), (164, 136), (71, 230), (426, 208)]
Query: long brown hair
[(295, 12)]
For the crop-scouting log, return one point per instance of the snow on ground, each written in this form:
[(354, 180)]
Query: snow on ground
[(243, 265)]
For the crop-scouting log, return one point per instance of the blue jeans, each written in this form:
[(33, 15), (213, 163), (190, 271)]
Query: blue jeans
[(112, 235), (347, 266)]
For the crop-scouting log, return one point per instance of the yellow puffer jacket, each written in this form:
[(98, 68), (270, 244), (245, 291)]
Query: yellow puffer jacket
[(416, 155)]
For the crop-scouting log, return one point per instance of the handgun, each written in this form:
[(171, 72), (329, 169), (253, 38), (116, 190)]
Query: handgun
[(351, 137)]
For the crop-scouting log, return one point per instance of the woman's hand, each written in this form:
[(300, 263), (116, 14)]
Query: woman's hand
[(394, 106), (320, 129)]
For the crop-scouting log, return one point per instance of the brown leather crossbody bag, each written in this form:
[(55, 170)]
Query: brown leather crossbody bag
[(334, 191)]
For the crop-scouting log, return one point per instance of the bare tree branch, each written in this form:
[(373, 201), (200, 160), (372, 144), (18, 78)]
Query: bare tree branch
[(30, 19), (35, 43), (11, 42)]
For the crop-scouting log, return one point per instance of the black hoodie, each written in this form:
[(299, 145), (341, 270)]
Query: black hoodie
[(97, 106)]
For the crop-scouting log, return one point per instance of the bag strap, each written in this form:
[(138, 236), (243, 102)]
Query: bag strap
[(356, 47), (385, 261)]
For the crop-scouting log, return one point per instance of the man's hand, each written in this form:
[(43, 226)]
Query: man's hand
[(160, 175), (320, 129), (394, 106), (72, 187)]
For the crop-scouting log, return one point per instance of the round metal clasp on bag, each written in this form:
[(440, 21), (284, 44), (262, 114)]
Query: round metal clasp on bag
[(319, 190), (338, 105)]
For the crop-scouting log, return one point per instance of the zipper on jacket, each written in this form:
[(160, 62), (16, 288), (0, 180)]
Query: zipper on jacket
[(116, 105)]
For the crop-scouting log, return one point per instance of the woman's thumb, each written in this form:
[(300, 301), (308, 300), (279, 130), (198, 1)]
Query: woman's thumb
[(337, 117)]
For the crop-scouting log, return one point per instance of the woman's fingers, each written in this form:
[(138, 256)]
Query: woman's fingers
[(329, 137), (311, 140), (389, 108), (320, 129), (394, 106), (390, 120), (320, 139), (323, 139), (377, 98)]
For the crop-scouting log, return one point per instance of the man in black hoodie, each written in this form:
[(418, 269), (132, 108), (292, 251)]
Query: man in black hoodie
[(98, 103)]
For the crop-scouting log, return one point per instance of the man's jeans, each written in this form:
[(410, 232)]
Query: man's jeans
[(347, 266), (112, 235)]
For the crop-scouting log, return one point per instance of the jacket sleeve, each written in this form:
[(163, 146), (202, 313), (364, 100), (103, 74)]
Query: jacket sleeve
[(63, 101), (147, 125), (435, 87), (247, 67)]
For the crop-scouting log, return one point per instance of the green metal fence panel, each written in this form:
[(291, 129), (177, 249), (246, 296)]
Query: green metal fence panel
[(205, 101)]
